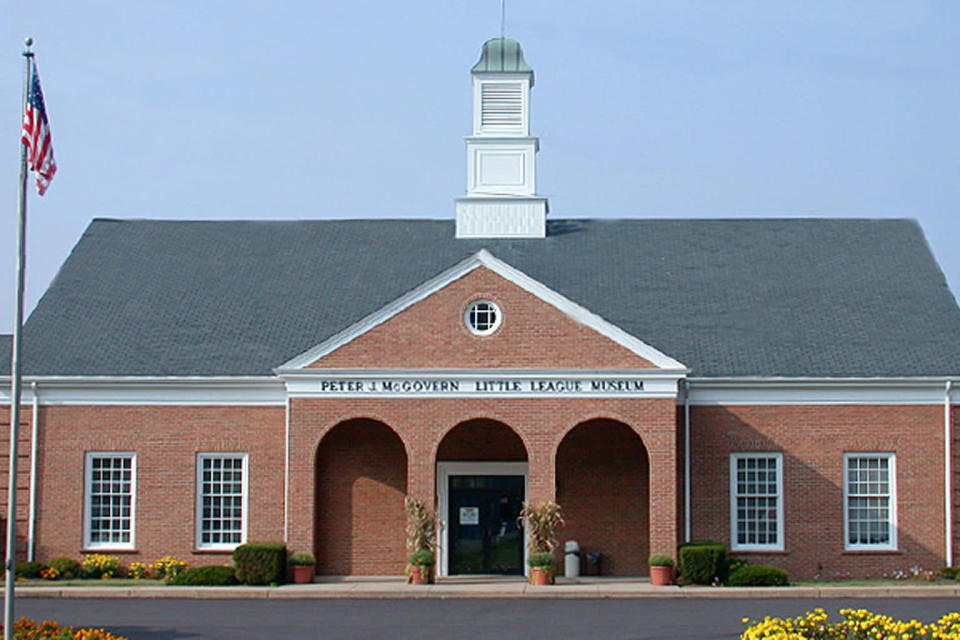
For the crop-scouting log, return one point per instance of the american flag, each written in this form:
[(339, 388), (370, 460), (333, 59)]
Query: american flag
[(36, 134)]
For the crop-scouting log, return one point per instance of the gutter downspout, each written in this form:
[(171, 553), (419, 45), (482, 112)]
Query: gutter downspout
[(286, 470), (34, 432), (948, 472), (686, 461)]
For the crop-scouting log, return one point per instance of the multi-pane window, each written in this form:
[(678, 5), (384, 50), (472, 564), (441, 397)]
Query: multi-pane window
[(110, 504), (482, 317), (221, 499), (756, 501), (869, 501)]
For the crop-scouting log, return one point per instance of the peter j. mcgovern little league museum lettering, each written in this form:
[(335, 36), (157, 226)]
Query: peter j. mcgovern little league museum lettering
[(779, 385), (462, 387)]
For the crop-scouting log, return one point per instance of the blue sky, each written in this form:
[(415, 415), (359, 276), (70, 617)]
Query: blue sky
[(313, 110)]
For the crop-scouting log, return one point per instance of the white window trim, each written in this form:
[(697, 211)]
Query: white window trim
[(780, 544), (892, 458), (198, 511), (87, 499)]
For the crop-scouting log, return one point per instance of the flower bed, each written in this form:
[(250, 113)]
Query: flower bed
[(857, 624), (24, 629)]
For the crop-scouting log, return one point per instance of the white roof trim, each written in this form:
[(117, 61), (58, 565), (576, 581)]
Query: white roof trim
[(148, 390), (819, 391), (484, 258)]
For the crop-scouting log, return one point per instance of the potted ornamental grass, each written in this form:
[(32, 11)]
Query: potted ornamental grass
[(541, 522), (661, 570), (421, 541), (302, 565)]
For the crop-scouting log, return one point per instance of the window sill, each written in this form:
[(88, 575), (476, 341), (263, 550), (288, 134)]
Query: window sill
[(121, 550), (759, 552), (872, 552)]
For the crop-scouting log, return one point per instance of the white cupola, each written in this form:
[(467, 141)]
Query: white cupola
[(501, 200)]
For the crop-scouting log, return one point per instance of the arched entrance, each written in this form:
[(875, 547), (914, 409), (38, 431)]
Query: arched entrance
[(481, 483), (603, 485), (361, 480)]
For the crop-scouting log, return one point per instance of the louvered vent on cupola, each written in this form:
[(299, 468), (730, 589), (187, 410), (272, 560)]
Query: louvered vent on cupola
[(501, 107)]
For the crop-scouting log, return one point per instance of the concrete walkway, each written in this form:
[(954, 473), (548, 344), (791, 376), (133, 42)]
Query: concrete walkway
[(487, 587)]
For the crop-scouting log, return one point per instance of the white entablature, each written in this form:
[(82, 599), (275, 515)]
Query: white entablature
[(501, 200)]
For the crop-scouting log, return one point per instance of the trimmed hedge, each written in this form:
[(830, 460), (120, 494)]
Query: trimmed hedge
[(215, 576), (950, 573), (758, 575), (67, 567), (701, 562), (260, 563), (29, 569)]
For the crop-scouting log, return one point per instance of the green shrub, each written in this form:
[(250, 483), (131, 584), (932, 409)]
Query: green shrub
[(29, 569), (260, 562), (216, 576), (661, 560), (735, 563), (301, 559), (758, 575), (541, 559), (950, 573), (68, 567), (701, 563), (422, 558)]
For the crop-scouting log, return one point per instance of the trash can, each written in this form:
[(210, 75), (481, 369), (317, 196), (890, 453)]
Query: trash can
[(571, 559), (594, 564)]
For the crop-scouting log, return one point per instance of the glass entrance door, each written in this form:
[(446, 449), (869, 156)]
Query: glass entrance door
[(485, 536)]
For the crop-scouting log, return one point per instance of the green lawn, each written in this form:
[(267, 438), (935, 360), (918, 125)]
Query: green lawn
[(112, 582), (876, 582)]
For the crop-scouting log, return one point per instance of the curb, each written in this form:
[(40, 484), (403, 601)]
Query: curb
[(493, 591)]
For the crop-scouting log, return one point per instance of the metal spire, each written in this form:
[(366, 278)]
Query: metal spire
[(503, 17)]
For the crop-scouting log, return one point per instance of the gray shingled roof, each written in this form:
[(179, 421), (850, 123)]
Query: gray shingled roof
[(6, 344), (759, 297)]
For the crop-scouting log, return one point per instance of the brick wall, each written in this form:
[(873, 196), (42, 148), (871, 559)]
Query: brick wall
[(424, 424), (565, 463), (813, 440), (533, 334), (603, 485), (361, 482), (166, 441), (23, 476)]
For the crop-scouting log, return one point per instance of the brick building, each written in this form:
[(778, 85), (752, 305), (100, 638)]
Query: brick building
[(782, 385)]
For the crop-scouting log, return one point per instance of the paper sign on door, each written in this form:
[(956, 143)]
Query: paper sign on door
[(469, 515)]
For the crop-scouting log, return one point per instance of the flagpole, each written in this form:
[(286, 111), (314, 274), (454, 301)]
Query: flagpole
[(15, 373)]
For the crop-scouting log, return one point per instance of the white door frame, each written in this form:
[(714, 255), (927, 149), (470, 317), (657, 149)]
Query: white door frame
[(447, 469)]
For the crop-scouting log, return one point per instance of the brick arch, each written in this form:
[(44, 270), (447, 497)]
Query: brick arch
[(603, 486), (482, 440), (361, 480)]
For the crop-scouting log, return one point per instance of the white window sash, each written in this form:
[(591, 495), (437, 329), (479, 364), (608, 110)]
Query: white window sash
[(779, 545), (891, 496), (90, 456), (244, 500)]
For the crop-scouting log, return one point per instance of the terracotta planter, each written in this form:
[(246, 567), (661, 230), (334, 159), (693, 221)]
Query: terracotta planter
[(420, 574), (661, 576), (303, 575), (541, 576)]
